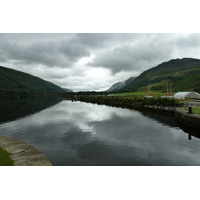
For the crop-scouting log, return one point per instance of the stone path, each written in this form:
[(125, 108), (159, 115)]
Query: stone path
[(23, 154)]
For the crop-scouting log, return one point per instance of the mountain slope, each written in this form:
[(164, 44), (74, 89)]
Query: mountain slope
[(182, 74), (13, 80), (120, 85), (67, 90), (115, 87)]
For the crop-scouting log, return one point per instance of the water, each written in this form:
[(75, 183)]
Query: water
[(78, 133)]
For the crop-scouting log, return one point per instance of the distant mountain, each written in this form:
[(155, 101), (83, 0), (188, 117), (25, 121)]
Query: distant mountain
[(176, 75), (120, 85), (68, 90), (16, 81), (115, 87)]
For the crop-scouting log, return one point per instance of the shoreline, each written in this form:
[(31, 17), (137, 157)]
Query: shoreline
[(23, 154), (189, 119)]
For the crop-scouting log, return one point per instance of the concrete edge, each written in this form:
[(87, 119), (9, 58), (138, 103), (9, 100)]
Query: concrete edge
[(192, 120), (23, 154)]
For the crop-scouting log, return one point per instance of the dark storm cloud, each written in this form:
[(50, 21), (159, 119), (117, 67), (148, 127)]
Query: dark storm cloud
[(61, 53), (148, 50), (73, 50), (92, 40), (29, 54), (130, 58), (116, 60)]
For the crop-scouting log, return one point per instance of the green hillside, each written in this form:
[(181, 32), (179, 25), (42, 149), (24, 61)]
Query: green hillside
[(15, 81), (177, 74)]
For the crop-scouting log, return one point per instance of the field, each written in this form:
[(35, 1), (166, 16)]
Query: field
[(139, 94)]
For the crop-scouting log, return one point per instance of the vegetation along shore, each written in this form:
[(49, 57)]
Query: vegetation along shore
[(129, 102)]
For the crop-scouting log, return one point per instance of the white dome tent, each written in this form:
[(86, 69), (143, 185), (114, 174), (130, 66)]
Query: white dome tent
[(184, 95)]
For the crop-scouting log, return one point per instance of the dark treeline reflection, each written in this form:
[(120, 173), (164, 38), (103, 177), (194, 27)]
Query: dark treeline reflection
[(14, 109), (189, 130), (164, 117), (167, 118)]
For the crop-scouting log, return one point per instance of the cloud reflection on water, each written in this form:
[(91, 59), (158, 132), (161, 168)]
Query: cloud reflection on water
[(75, 133)]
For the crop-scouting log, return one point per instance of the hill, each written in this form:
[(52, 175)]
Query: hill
[(177, 74), (120, 85), (68, 90), (15, 81)]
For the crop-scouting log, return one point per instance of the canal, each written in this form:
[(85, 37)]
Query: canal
[(84, 134)]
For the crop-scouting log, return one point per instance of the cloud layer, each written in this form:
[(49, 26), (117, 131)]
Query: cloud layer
[(92, 61)]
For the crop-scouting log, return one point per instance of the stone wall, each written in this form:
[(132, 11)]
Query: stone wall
[(192, 120)]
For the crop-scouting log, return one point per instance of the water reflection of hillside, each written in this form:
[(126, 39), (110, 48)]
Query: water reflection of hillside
[(189, 130), (11, 110), (167, 118), (163, 117)]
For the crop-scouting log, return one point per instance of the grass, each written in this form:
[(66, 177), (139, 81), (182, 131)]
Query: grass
[(195, 110), (137, 94), (5, 159)]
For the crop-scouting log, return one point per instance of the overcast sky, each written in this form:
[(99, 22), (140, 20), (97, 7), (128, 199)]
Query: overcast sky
[(92, 61)]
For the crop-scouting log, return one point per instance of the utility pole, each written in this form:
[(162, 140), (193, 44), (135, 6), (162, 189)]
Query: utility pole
[(171, 89), (167, 87), (150, 87)]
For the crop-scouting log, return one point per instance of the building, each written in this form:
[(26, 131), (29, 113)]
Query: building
[(184, 95)]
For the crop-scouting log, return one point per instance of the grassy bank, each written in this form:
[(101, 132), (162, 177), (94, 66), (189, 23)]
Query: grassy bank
[(156, 94), (136, 94), (5, 159), (195, 110)]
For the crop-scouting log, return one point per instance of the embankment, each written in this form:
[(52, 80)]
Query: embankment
[(23, 154), (191, 120), (131, 102)]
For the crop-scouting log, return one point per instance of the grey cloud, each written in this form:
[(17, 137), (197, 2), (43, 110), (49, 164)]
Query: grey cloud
[(92, 40), (137, 55), (61, 53), (113, 60), (73, 51), (126, 58), (189, 41), (25, 54)]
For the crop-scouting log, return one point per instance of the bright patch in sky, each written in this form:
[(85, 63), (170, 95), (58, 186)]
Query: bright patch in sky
[(85, 60)]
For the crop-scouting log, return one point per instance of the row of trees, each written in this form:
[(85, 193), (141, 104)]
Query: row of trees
[(129, 101)]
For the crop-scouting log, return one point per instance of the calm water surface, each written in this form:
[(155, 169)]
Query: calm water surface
[(78, 133)]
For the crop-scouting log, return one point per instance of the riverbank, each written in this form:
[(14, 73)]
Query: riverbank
[(189, 119), (130, 102), (23, 154)]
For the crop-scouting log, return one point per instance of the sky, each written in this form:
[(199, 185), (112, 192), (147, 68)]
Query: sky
[(93, 61)]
